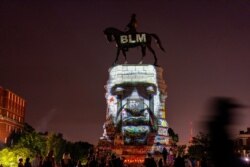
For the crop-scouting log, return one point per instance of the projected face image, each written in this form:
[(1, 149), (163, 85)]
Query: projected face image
[(133, 112), (135, 96)]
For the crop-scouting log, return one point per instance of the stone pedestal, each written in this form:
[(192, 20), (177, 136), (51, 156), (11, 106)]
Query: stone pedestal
[(136, 113)]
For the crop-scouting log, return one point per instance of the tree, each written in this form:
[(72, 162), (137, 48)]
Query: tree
[(33, 142), (57, 143), (173, 135), (9, 156), (199, 146), (181, 149), (29, 139), (79, 150)]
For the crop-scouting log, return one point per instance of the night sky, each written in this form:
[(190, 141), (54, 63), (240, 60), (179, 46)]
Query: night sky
[(55, 55)]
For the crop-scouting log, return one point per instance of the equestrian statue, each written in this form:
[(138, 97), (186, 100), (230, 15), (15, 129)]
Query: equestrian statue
[(130, 39)]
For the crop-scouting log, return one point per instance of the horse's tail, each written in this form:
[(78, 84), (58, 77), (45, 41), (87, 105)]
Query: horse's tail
[(158, 41)]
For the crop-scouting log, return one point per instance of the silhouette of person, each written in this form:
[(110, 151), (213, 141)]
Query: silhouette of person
[(27, 162), (179, 161), (164, 155), (221, 147), (49, 160), (160, 163), (132, 25), (187, 161), (20, 164), (149, 161), (37, 161), (66, 160)]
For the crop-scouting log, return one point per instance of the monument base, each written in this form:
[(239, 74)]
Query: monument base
[(135, 118)]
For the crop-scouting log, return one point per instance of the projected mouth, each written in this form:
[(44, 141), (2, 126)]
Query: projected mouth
[(135, 134), (135, 126), (135, 121), (138, 117)]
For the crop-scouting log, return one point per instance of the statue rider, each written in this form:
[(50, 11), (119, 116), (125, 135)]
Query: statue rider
[(132, 25)]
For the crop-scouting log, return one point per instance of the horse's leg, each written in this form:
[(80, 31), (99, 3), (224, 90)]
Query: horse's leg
[(125, 56), (149, 47), (143, 50), (117, 55)]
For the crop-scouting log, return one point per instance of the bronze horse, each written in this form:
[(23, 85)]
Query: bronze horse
[(126, 40)]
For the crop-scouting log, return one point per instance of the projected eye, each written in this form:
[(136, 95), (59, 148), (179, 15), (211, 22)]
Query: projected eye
[(150, 90), (119, 90)]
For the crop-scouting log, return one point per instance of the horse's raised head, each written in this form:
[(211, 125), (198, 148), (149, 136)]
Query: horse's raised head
[(108, 34)]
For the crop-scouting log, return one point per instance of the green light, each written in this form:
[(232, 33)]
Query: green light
[(9, 157)]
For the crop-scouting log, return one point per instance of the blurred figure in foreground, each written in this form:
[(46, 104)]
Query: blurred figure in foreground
[(66, 160), (27, 162), (221, 146), (37, 161), (149, 161), (20, 164), (49, 160)]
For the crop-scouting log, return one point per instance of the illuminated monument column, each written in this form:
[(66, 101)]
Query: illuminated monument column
[(135, 119)]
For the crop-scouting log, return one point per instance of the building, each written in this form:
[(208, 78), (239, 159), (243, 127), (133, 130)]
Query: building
[(12, 111), (243, 142)]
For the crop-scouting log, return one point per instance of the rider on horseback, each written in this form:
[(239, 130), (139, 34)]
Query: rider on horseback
[(132, 25), (131, 38)]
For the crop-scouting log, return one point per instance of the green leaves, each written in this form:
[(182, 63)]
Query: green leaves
[(199, 146), (28, 143), (9, 156), (173, 135)]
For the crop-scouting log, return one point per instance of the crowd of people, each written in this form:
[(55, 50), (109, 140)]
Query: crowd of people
[(49, 161), (166, 159), (222, 153)]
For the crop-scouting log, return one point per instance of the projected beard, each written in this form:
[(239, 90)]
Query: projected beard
[(135, 117)]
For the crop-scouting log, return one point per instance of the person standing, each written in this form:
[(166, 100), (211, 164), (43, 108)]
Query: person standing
[(49, 160), (66, 160), (160, 163), (187, 161), (37, 161), (220, 144), (164, 155), (149, 161), (179, 161), (27, 162), (20, 163)]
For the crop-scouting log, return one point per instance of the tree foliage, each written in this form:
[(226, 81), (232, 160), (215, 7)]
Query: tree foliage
[(173, 135), (29, 139), (57, 143), (9, 156), (80, 149), (41, 143), (199, 146), (181, 149)]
